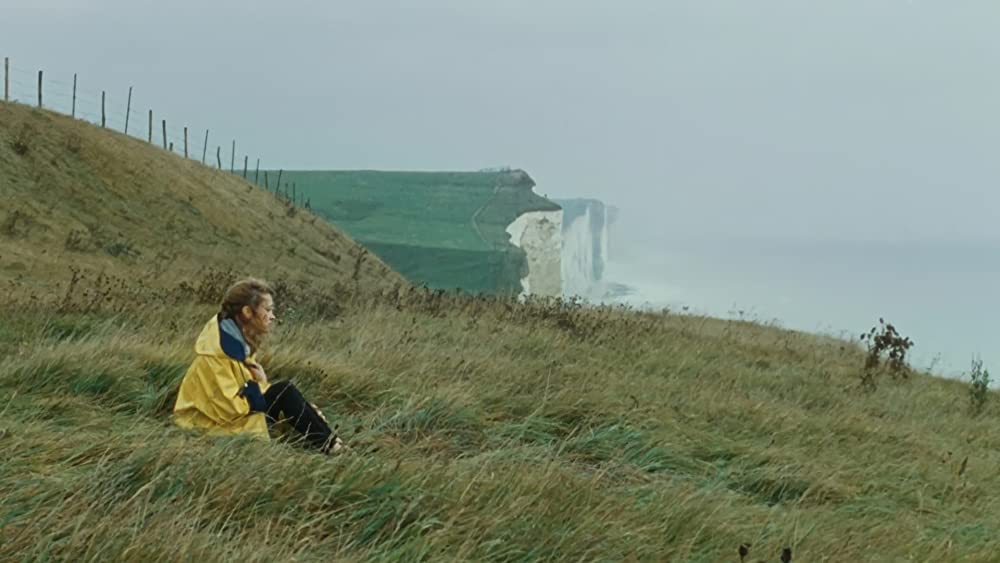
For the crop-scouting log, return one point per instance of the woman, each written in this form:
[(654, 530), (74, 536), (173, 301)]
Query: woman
[(226, 391)]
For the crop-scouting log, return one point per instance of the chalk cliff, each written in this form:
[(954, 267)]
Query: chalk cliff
[(586, 226)]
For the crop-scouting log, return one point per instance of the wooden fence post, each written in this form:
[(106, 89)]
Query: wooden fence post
[(103, 115), (277, 185), (128, 108), (171, 149), (218, 156), (151, 127), (266, 186), (39, 89), (232, 159), (204, 148), (6, 79), (185, 142), (256, 173), (245, 158), (73, 114), (164, 133)]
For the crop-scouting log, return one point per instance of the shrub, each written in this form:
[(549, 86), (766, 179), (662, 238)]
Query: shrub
[(884, 341), (212, 285), (980, 388)]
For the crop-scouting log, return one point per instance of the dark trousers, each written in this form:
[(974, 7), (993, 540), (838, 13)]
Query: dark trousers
[(285, 402)]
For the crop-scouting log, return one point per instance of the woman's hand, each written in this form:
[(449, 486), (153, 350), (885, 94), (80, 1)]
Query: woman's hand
[(257, 372)]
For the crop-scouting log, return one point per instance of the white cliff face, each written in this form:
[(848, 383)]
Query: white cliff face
[(585, 248), (578, 257), (566, 256), (610, 227), (539, 233)]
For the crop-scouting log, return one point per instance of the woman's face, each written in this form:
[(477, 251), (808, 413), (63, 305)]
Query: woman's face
[(263, 315)]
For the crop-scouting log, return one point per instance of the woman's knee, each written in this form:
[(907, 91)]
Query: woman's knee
[(280, 389), (280, 386)]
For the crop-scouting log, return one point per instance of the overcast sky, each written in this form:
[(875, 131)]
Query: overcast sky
[(821, 119)]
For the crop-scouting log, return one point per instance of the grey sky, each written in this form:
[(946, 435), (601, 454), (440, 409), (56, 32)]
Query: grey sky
[(845, 119)]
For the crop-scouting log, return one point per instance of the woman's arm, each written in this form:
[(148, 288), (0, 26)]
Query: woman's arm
[(215, 388)]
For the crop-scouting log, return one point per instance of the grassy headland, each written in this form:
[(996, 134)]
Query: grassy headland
[(483, 429)]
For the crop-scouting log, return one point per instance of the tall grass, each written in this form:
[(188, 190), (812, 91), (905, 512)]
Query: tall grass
[(484, 429)]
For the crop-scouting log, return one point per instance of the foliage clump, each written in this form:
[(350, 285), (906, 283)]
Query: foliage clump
[(980, 387), (886, 353)]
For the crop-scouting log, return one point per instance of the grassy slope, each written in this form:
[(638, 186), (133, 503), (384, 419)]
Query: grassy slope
[(500, 438), (443, 229), (503, 432), (421, 209), (133, 207)]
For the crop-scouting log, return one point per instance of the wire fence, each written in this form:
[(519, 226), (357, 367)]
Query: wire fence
[(120, 111)]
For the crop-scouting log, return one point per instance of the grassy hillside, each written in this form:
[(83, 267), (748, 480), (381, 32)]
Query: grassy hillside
[(447, 210), (482, 429), (443, 229), (74, 194), (503, 433)]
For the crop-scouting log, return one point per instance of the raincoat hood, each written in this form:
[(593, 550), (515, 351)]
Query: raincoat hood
[(222, 339)]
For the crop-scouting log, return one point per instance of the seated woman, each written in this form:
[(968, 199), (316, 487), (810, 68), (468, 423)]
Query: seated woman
[(226, 391)]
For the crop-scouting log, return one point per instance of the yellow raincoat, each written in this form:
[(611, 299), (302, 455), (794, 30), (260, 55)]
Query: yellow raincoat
[(210, 394)]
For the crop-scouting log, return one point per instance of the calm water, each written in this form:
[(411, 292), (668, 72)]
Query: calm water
[(943, 296)]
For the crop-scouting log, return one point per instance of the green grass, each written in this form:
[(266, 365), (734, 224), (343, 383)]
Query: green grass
[(443, 229), (420, 209), (482, 429), (486, 431)]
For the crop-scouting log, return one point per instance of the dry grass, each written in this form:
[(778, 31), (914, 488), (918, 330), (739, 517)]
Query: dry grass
[(72, 193), (483, 429)]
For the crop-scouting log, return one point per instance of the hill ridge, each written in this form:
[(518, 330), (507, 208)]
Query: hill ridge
[(73, 193)]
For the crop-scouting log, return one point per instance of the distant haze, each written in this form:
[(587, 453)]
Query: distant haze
[(846, 120)]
